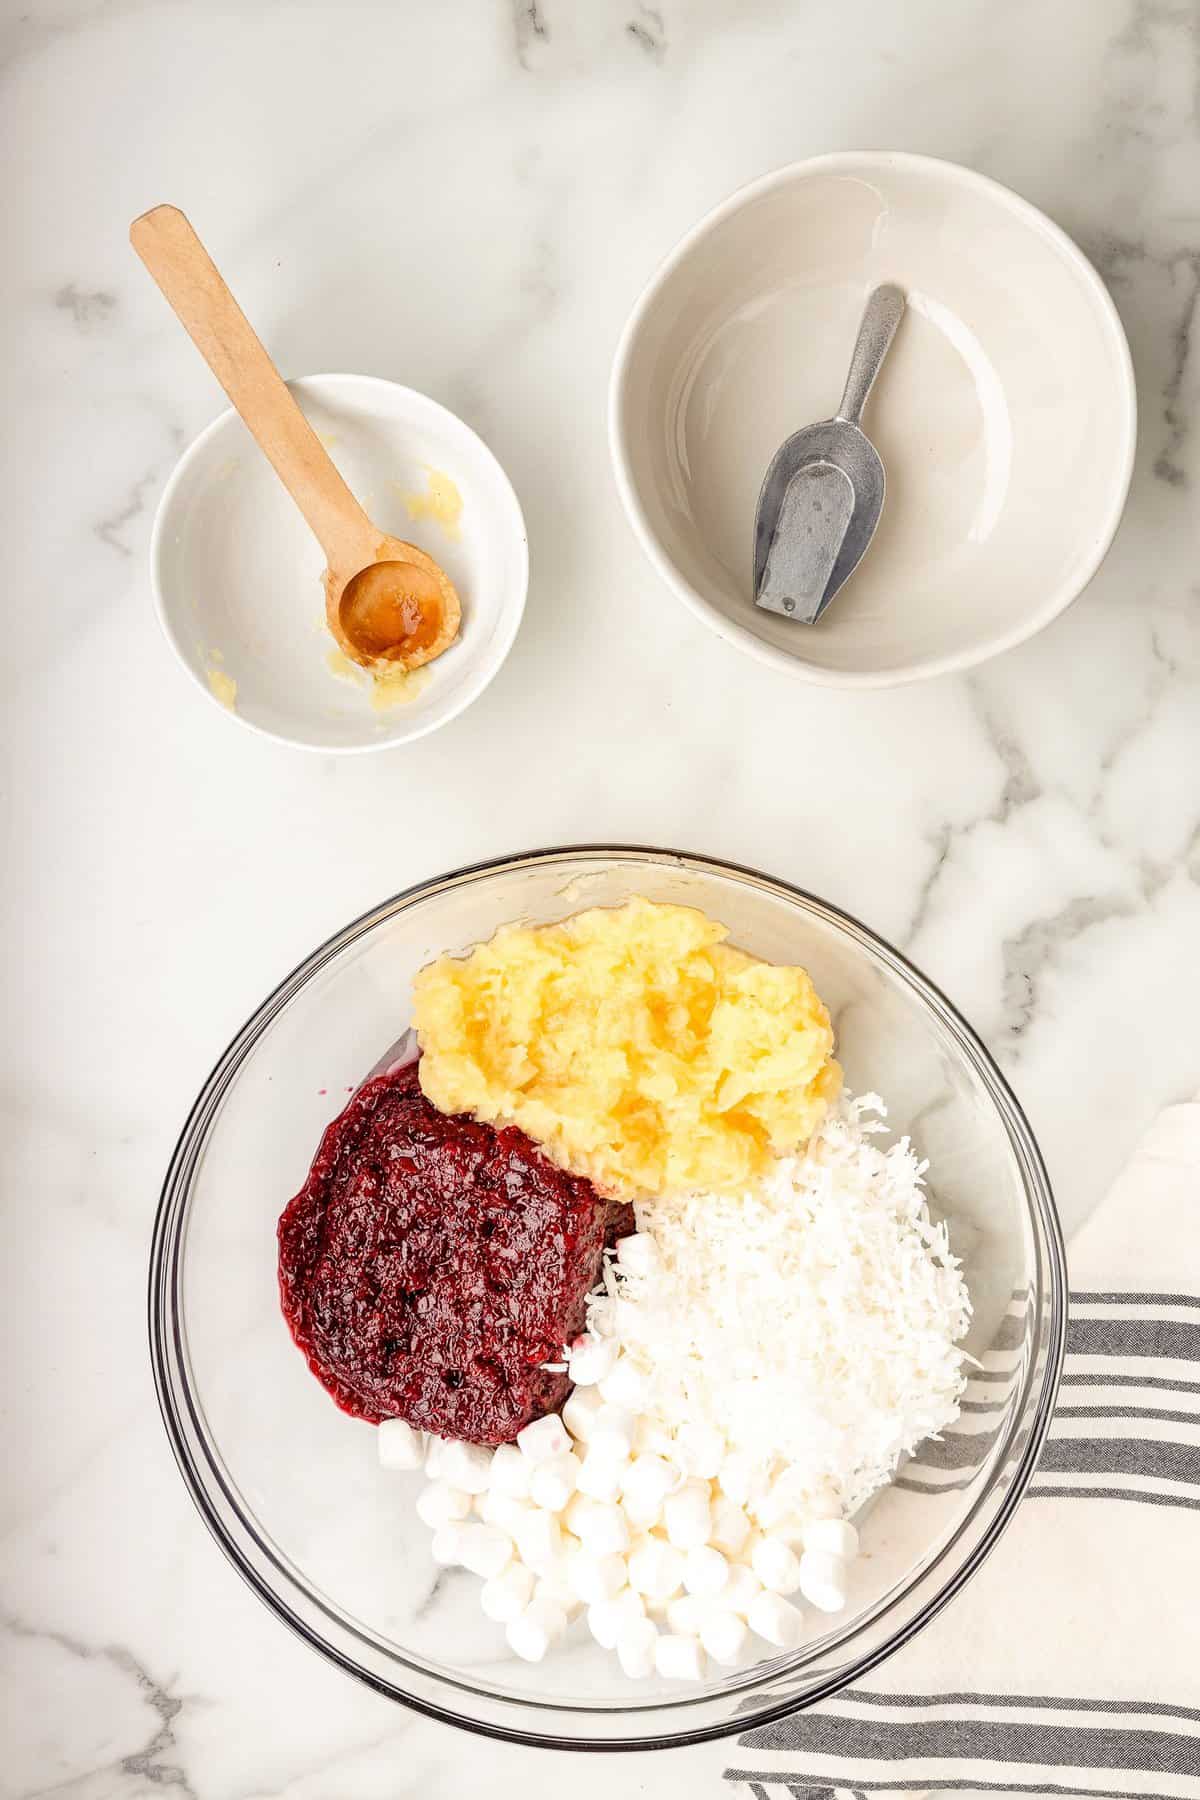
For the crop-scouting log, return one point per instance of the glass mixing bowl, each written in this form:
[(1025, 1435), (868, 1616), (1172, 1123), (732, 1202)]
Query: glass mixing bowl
[(290, 1486)]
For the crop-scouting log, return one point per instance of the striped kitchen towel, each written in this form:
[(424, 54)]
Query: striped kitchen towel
[(1071, 1664)]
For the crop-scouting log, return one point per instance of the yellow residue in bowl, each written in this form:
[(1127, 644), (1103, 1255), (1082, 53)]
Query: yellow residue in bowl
[(223, 688), (634, 1044), (339, 664), (387, 687), (440, 502), (396, 687)]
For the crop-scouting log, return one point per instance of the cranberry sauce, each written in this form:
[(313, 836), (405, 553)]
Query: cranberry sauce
[(429, 1265)]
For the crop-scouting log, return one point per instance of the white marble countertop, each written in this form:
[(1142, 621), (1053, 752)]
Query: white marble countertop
[(468, 198)]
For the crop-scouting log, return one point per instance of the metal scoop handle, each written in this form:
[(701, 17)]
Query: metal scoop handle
[(883, 312)]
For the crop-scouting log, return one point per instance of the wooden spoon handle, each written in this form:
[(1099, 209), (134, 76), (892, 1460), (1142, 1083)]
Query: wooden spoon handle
[(218, 327)]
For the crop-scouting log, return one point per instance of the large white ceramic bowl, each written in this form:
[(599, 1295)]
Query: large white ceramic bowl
[(237, 573), (1005, 414)]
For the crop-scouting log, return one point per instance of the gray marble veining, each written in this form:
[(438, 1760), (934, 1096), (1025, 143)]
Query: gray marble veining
[(477, 224)]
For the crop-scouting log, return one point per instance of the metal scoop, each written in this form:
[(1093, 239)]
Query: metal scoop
[(823, 493)]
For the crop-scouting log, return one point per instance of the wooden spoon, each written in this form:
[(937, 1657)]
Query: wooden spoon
[(387, 602)]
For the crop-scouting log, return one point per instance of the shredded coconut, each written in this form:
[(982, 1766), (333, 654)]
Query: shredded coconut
[(813, 1319)]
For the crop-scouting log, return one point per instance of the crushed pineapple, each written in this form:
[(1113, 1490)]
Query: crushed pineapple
[(635, 1045)]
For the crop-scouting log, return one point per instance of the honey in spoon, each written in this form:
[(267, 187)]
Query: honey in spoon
[(401, 610)]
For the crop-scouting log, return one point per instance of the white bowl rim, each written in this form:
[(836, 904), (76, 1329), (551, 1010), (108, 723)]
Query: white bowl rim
[(847, 161), (471, 689)]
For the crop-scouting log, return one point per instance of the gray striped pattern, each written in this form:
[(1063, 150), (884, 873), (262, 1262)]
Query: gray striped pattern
[(1128, 1431)]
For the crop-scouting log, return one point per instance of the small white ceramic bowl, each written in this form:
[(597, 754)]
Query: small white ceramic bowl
[(237, 573), (1005, 415)]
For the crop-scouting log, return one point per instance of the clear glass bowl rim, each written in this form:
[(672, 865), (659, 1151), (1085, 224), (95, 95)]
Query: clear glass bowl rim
[(165, 1326)]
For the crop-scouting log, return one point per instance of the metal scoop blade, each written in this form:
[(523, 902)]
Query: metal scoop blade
[(823, 493)]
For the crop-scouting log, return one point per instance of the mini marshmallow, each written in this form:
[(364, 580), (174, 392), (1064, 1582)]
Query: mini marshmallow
[(837, 1537), (705, 1571), (647, 1481), (465, 1466), (506, 1595), (822, 1502), (688, 1515), (774, 1503), (612, 1433), (600, 1527), (579, 1412), (737, 1478), (600, 1476), (439, 1503), (539, 1538), (544, 1438), (701, 1450), (502, 1510), (399, 1446), (822, 1580), (685, 1614), (636, 1646), (724, 1636), (741, 1590), (730, 1526), (552, 1482), (655, 1569), (679, 1658), (597, 1578), (625, 1386), (555, 1572), (606, 1618), (485, 1550), (790, 1530), (760, 1481), (746, 1553), (776, 1565), (532, 1632), (446, 1547), (637, 1255), (642, 1515), (777, 1620), (434, 1446), (651, 1438), (590, 1358), (551, 1588), (509, 1473)]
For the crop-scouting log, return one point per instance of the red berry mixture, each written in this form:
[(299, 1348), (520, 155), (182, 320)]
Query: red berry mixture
[(429, 1265)]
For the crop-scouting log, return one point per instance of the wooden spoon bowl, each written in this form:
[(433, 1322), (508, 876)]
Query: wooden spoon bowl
[(401, 609)]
